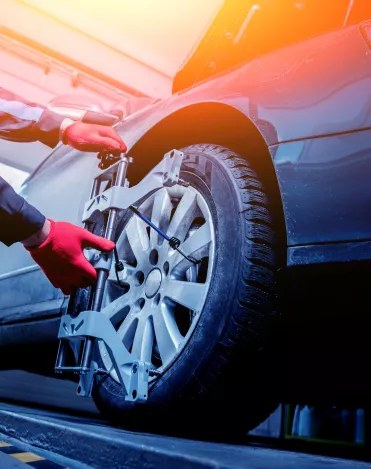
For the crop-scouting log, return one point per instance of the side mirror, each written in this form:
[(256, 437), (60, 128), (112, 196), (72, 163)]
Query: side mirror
[(82, 108)]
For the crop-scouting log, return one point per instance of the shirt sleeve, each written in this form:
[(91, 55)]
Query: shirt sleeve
[(24, 121), (18, 219)]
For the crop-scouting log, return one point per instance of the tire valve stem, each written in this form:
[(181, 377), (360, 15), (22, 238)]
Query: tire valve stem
[(173, 242)]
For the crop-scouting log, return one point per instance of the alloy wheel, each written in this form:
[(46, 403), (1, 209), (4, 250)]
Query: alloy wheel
[(161, 295)]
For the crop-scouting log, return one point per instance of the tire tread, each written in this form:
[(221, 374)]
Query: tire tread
[(256, 298)]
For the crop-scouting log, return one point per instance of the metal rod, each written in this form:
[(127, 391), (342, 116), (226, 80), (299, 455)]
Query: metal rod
[(61, 353), (145, 219), (87, 353), (121, 171), (111, 224), (120, 180), (72, 304), (91, 298), (109, 234), (99, 290), (102, 275), (72, 368), (164, 235)]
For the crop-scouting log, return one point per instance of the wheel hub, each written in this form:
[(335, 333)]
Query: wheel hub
[(153, 283)]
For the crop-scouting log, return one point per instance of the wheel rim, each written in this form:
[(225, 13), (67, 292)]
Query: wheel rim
[(163, 294)]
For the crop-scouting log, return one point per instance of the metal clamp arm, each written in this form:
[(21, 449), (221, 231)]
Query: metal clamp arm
[(166, 173), (132, 374)]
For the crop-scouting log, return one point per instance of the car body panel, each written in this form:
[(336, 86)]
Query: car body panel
[(318, 87), (325, 187), (329, 253), (59, 192), (243, 30)]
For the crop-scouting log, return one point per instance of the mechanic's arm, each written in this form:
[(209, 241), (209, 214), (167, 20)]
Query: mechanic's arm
[(56, 246), (58, 249), (18, 219), (24, 121)]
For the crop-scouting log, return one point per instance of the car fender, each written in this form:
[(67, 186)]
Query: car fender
[(314, 88)]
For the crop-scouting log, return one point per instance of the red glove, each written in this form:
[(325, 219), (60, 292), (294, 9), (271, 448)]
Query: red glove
[(92, 137), (61, 256)]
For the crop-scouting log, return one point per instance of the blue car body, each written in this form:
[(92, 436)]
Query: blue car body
[(302, 114)]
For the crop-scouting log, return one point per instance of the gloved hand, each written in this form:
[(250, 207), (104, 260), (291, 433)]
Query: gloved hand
[(61, 256), (92, 137)]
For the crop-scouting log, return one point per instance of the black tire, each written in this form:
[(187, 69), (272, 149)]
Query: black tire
[(223, 382)]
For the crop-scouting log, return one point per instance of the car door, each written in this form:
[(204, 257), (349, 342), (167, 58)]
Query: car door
[(58, 189)]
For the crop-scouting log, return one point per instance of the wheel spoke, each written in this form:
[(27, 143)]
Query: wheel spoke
[(196, 246), (127, 329), (167, 333), (188, 294), (138, 237), (143, 340), (183, 216), (118, 305), (161, 212)]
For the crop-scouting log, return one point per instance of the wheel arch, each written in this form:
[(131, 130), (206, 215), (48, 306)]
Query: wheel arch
[(219, 124)]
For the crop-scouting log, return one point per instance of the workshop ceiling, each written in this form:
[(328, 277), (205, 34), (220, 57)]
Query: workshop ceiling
[(125, 48), (159, 33)]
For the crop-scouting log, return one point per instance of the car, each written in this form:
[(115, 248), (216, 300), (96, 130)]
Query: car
[(272, 112)]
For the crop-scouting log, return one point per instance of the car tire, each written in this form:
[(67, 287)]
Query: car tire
[(224, 381)]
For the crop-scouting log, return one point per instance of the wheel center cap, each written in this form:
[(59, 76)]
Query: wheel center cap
[(153, 282)]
